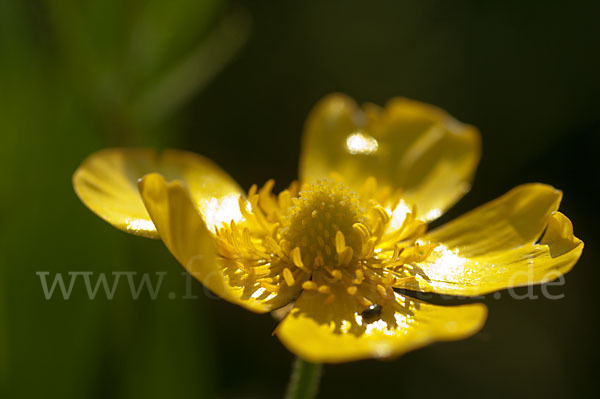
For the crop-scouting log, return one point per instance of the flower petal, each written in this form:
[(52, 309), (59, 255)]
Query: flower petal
[(496, 246), (106, 182), (337, 332), (185, 234), (409, 145)]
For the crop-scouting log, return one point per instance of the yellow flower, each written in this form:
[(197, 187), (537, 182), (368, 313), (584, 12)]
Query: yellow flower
[(336, 244)]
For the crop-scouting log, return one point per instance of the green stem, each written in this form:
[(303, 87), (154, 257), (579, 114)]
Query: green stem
[(304, 380)]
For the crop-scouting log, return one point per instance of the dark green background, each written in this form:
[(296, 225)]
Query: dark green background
[(234, 82)]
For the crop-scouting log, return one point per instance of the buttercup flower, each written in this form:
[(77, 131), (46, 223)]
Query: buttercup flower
[(337, 245)]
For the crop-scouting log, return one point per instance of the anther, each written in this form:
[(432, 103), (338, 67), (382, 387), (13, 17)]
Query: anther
[(270, 287), (324, 289), (336, 274), (289, 277), (364, 301), (309, 285), (359, 276), (297, 258), (252, 191), (340, 242)]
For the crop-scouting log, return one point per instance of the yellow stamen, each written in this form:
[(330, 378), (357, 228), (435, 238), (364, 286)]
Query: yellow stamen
[(359, 277), (340, 242), (297, 258), (252, 191), (322, 235), (364, 301), (270, 287), (271, 245), (345, 257), (336, 274), (289, 277), (324, 289), (309, 285), (284, 199)]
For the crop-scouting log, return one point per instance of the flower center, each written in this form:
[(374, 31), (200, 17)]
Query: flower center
[(320, 224), (325, 239)]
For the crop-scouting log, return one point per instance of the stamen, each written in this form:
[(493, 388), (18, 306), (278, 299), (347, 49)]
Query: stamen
[(327, 231), (363, 231), (271, 245), (359, 277), (340, 242), (345, 257), (336, 274), (252, 191), (369, 247), (270, 287), (284, 199), (324, 289), (297, 258), (364, 301), (289, 277), (381, 290)]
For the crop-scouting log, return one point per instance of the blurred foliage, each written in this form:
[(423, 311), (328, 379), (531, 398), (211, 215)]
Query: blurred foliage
[(77, 76)]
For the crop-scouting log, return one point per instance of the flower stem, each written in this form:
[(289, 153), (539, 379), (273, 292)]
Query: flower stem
[(304, 380)]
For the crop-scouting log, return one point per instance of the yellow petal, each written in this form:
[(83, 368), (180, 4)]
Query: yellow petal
[(496, 246), (559, 235), (408, 145), (337, 333), (185, 234), (106, 182)]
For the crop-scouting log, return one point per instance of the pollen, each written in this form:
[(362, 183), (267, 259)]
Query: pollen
[(319, 225)]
